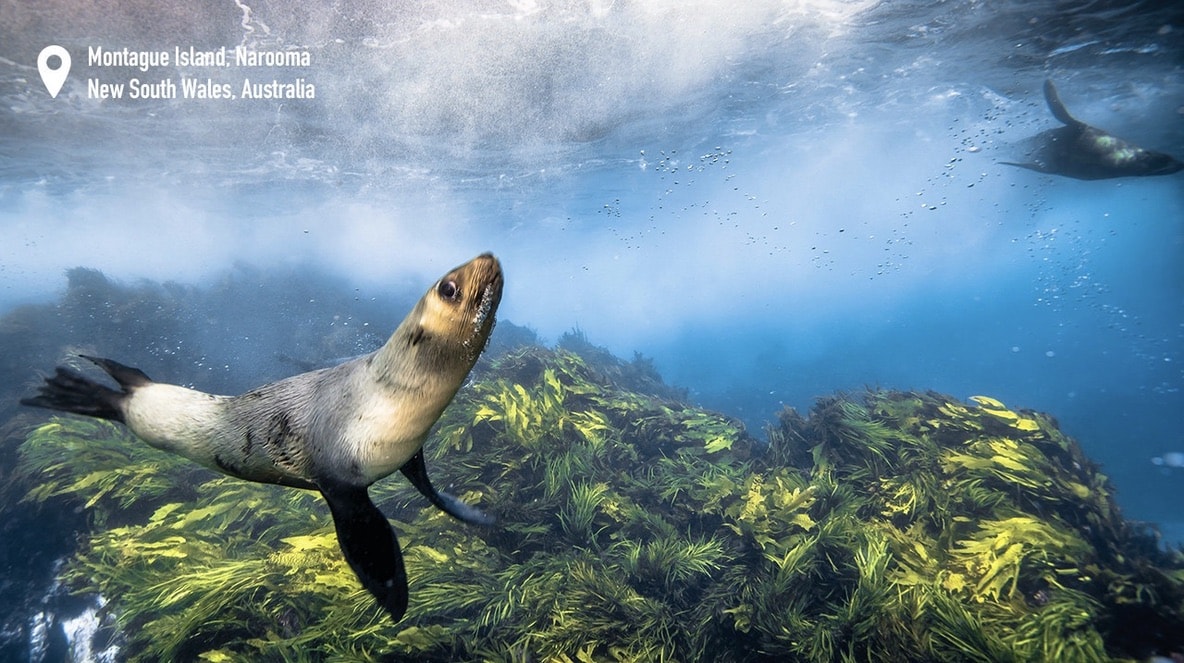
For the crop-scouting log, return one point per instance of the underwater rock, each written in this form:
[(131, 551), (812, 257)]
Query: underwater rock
[(882, 526)]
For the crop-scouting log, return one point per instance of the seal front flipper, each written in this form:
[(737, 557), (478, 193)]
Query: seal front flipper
[(369, 544), (417, 472)]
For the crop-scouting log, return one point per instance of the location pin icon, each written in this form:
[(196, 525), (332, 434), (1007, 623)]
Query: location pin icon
[(53, 78)]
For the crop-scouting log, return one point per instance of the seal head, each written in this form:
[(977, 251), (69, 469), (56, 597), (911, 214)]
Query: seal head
[(335, 430)]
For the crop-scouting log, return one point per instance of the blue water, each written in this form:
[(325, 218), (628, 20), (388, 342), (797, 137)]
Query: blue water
[(773, 200)]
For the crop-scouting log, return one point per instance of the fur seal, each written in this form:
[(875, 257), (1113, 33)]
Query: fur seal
[(1087, 153), (336, 430)]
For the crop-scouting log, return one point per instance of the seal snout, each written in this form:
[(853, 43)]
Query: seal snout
[(488, 269), (491, 292)]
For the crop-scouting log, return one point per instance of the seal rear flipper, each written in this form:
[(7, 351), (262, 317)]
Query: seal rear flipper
[(126, 376), (369, 545), (70, 391), (417, 472)]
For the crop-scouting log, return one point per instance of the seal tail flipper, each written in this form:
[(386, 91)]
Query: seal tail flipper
[(70, 391), (369, 545), (1056, 106), (417, 472)]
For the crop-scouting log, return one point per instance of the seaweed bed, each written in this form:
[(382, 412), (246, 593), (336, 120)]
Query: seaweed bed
[(885, 526)]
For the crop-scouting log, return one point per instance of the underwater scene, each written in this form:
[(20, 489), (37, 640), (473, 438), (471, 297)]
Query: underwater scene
[(592, 331)]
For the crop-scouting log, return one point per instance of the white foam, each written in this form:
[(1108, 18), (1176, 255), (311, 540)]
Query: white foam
[(81, 632)]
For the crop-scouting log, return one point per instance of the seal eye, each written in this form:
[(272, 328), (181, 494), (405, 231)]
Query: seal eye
[(448, 290)]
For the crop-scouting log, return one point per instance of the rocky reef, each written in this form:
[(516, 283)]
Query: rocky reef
[(882, 526)]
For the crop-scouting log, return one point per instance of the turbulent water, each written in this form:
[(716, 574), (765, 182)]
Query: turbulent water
[(774, 200)]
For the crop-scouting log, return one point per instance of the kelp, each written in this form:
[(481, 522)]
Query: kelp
[(884, 526)]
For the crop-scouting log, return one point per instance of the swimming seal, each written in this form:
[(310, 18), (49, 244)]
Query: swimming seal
[(336, 430), (1083, 152)]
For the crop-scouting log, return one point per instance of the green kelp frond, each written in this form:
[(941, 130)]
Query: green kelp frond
[(993, 558), (770, 514), (532, 417), (883, 526), (99, 461), (671, 563)]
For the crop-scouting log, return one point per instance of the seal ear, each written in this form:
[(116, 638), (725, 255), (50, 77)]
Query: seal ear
[(369, 544)]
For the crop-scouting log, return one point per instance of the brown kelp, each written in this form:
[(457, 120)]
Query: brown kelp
[(884, 526)]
